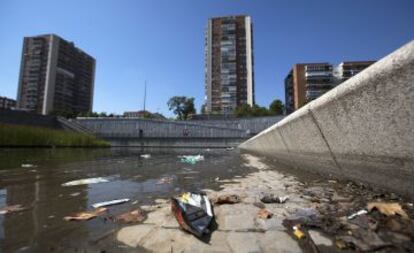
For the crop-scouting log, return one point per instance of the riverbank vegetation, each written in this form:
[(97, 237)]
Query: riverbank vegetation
[(245, 110), (29, 136)]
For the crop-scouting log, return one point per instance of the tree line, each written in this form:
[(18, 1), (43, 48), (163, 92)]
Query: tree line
[(183, 107)]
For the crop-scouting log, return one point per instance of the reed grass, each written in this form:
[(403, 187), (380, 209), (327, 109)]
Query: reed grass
[(30, 136)]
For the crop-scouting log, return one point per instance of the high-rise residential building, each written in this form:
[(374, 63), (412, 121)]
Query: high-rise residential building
[(229, 77), (7, 103), (307, 81), (348, 69), (55, 76)]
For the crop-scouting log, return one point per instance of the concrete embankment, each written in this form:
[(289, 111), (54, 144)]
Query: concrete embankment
[(162, 133), (362, 130)]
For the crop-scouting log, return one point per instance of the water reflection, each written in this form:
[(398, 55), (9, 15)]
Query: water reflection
[(41, 227)]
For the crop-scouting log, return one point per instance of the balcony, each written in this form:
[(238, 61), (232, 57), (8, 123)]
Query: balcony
[(319, 85)]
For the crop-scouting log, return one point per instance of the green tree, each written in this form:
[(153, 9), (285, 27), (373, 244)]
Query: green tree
[(243, 110), (259, 111), (103, 115), (246, 110), (88, 114), (276, 107), (64, 112), (181, 106)]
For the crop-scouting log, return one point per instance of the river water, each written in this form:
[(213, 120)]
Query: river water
[(41, 228)]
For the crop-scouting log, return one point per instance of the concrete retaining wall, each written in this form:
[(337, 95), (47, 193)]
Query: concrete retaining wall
[(176, 142), (253, 125), (162, 133), (116, 127), (361, 130)]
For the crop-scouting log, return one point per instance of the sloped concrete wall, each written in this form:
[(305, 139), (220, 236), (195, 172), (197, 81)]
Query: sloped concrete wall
[(253, 125), (361, 130), (130, 128)]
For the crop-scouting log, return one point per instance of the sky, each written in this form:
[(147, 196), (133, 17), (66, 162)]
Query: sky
[(162, 41)]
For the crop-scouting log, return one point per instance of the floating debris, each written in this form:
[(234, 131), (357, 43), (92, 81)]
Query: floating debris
[(110, 203), (86, 181), (274, 199), (360, 212), (86, 215), (75, 194), (28, 165), (387, 209), (165, 180), (135, 216), (191, 159), (12, 209), (264, 214), (145, 156)]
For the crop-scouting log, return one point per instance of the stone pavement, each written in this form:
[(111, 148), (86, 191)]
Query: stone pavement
[(239, 228)]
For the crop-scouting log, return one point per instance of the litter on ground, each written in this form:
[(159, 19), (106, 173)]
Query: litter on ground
[(387, 209), (86, 215), (270, 198), (110, 203), (193, 212), (360, 212), (86, 181), (297, 232), (264, 214)]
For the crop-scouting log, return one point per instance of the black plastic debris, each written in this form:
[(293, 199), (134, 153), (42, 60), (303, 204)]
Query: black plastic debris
[(194, 213)]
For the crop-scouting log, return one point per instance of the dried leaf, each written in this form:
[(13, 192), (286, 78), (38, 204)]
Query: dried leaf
[(227, 199), (87, 215), (387, 209), (264, 214)]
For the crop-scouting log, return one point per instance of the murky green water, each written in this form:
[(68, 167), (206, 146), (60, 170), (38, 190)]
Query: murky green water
[(41, 227)]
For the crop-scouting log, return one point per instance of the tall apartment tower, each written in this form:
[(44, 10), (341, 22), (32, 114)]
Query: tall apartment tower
[(55, 76), (307, 81), (229, 77)]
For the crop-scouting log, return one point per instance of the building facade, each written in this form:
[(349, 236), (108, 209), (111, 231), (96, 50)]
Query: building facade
[(229, 76), (348, 69), (7, 103), (308, 81), (55, 76)]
